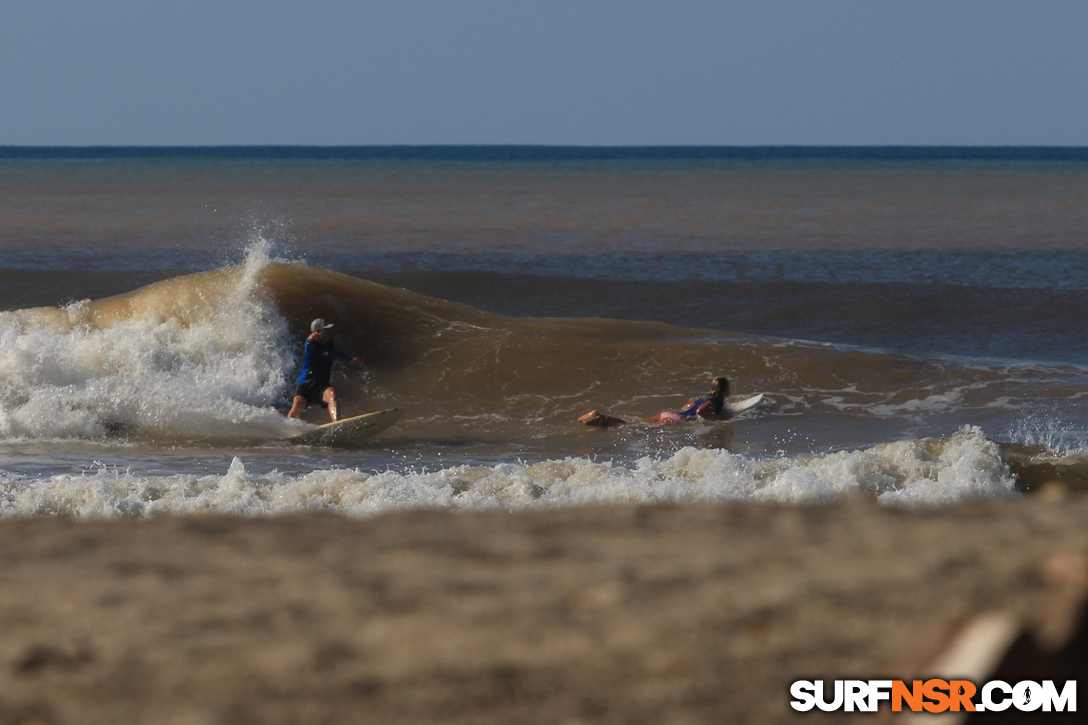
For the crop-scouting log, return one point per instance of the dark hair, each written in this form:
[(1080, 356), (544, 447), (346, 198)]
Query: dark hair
[(721, 386)]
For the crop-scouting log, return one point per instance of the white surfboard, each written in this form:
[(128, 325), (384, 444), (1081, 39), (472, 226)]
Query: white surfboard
[(349, 430), (742, 405)]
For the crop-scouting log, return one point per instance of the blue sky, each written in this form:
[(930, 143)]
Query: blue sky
[(840, 72)]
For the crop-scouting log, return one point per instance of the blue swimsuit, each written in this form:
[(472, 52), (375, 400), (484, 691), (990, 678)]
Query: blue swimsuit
[(693, 410)]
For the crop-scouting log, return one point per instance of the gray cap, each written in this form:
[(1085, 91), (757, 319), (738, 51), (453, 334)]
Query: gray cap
[(319, 324)]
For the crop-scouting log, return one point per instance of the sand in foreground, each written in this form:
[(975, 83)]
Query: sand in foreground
[(592, 615)]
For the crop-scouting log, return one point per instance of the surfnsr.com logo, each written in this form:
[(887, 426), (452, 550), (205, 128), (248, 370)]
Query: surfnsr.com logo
[(934, 696)]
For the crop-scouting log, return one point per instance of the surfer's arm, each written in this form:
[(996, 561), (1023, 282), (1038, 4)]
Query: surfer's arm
[(307, 357), (344, 356), (707, 410)]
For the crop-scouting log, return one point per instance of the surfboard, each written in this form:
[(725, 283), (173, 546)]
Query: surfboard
[(349, 430), (742, 405)]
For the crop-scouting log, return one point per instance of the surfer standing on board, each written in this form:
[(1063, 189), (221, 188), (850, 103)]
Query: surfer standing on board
[(706, 407), (313, 385)]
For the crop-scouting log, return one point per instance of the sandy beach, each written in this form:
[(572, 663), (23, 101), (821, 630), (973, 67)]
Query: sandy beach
[(578, 615)]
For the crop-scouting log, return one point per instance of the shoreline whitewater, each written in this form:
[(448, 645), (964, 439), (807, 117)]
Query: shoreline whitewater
[(633, 614)]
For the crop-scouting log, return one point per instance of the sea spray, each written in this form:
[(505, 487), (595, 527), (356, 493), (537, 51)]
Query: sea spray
[(193, 357), (906, 473)]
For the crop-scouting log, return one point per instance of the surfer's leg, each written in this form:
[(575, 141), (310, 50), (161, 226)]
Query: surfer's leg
[(297, 406), (329, 398), (667, 416), (597, 419)]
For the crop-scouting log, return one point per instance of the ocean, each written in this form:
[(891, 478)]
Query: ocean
[(915, 318)]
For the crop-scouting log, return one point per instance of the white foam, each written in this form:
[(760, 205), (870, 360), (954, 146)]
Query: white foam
[(931, 403), (1044, 428), (919, 472), (218, 376)]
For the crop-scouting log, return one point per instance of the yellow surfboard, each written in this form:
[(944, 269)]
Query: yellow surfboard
[(349, 430)]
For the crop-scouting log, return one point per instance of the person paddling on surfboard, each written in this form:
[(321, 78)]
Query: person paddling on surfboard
[(706, 407), (312, 385)]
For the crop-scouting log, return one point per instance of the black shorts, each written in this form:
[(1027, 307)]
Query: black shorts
[(312, 392)]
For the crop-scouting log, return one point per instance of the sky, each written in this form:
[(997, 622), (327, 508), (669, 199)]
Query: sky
[(550, 72)]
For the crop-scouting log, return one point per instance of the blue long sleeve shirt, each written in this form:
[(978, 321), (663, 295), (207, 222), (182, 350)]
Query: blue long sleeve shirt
[(317, 360)]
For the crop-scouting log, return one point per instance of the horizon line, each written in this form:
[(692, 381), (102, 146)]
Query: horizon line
[(544, 152)]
